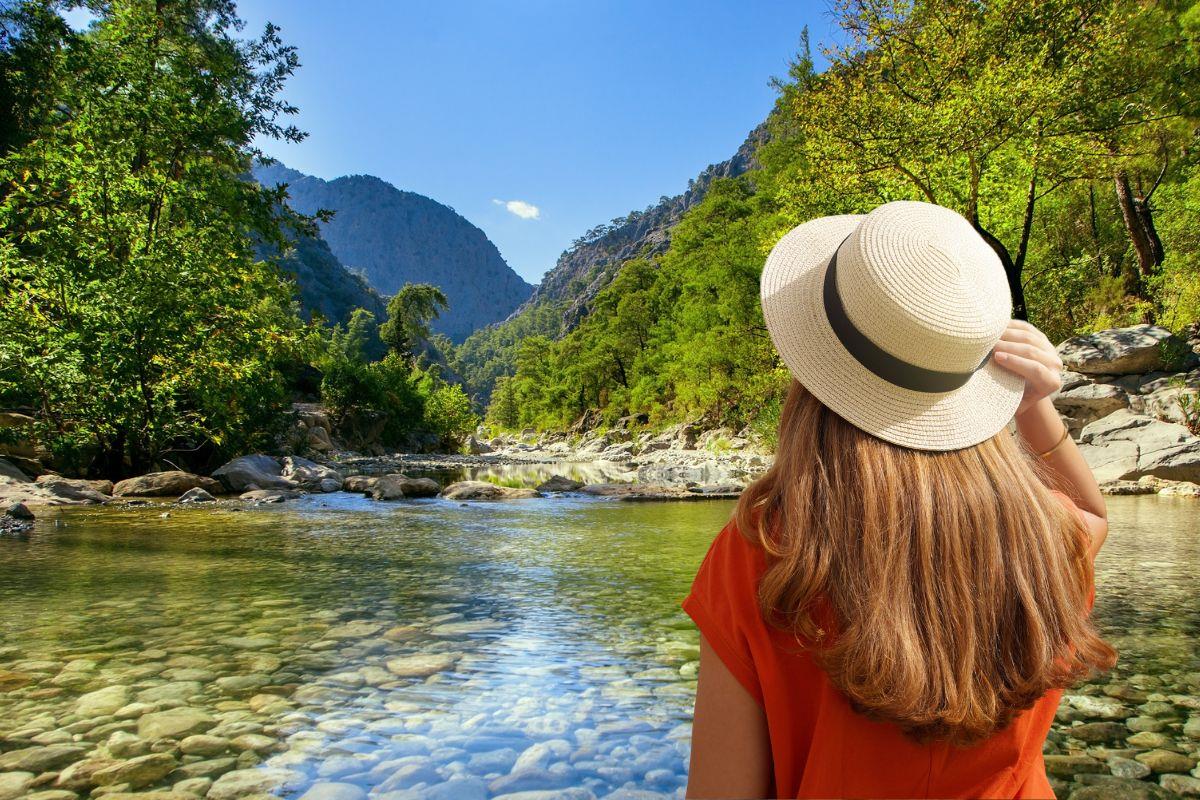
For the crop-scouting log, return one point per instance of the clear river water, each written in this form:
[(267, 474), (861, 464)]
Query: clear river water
[(428, 648)]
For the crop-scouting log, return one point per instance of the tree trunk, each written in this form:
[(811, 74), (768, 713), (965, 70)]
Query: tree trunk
[(1139, 225), (1011, 269)]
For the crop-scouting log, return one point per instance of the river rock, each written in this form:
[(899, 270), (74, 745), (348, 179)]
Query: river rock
[(81, 775), (102, 702), (1068, 765), (53, 491), (1126, 446), (20, 511), (174, 723), (137, 772), (243, 782), (334, 791), (268, 495), (482, 490), (195, 495), (40, 759), (1090, 401), (1110, 787), (1098, 732), (11, 470), (1163, 761), (1127, 768), (397, 487), (1119, 351), (1185, 785), (422, 665), (258, 471), (559, 483), (359, 483), (310, 475), (164, 484), (204, 745), (14, 784)]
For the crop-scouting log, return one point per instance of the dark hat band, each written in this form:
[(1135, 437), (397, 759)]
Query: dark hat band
[(876, 359)]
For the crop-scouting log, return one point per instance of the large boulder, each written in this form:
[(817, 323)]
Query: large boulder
[(359, 483), (559, 483), (1122, 351), (397, 487), (310, 475), (171, 483), (10, 470), (54, 491), (1126, 446), (482, 490), (256, 471), (1086, 402)]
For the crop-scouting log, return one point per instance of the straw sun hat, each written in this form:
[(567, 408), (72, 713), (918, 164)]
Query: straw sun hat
[(889, 319)]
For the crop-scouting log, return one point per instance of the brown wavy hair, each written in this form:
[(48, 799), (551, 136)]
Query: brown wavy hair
[(955, 581)]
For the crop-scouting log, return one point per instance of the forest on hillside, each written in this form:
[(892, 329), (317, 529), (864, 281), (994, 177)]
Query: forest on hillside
[(1065, 131), (149, 311)]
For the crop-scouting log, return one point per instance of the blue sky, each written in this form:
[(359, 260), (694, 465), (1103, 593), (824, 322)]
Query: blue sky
[(580, 111)]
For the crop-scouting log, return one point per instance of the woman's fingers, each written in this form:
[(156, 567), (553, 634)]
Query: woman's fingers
[(1038, 375), (1030, 345)]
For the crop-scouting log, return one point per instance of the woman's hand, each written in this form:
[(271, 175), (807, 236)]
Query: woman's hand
[(1025, 350)]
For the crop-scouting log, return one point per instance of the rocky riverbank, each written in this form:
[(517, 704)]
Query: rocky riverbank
[(1130, 398)]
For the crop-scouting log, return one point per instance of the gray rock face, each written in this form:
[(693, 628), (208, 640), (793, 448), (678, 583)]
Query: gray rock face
[(310, 475), (1127, 446), (1088, 402), (1119, 351), (164, 484), (256, 471), (397, 487), (10, 470), (482, 490)]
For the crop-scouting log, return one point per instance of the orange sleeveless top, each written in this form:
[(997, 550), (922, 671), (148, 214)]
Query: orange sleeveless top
[(820, 747)]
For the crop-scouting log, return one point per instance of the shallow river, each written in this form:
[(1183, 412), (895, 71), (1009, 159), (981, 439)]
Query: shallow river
[(431, 649)]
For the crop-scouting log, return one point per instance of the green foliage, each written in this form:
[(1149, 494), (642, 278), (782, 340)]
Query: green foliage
[(1064, 131), (409, 313), (1189, 404), (134, 317)]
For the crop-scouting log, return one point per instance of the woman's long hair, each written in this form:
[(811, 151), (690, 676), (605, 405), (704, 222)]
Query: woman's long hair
[(956, 583)]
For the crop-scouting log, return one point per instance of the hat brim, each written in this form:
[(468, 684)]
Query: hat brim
[(794, 312)]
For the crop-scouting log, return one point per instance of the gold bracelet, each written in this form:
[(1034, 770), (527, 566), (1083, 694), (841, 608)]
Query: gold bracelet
[(1065, 434)]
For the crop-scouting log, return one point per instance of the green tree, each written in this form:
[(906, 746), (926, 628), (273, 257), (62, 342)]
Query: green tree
[(409, 313), (133, 315)]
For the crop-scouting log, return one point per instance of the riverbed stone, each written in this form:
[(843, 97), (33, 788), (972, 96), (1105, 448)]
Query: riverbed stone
[(170, 483), (172, 691), (1148, 739), (174, 723), (14, 784), (1186, 785), (1127, 768), (330, 790), (1109, 787), (1095, 732), (422, 665), (81, 775), (196, 787), (200, 744), (1068, 765), (269, 495), (243, 782), (1163, 761), (122, 744), (1099, 707), (102, 702), (137, 772), (359, 483), (242, 684), (40, 759)]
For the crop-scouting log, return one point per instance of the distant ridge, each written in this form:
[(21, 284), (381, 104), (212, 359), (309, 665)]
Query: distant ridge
[(396, 237), (588, 266)]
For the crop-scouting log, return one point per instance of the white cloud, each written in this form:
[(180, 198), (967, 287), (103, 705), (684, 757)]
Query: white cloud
[(520, 208)]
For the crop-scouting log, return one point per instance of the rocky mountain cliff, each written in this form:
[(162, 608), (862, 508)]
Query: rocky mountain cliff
[(396, 237), (593, 259)]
